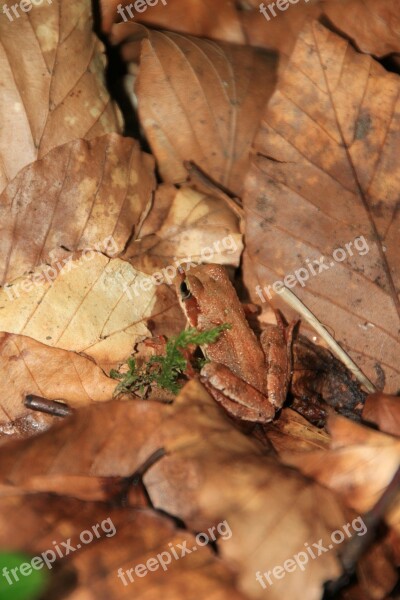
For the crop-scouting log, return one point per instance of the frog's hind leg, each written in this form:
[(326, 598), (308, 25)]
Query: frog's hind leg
[(240, 399)]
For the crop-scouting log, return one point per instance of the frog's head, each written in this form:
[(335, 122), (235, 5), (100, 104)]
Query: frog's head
[(198, 288)]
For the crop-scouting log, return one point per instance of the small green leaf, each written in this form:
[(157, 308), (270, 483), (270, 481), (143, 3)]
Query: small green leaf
[(27, 587)]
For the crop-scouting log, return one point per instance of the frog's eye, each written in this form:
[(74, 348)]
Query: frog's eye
[(185, 292)]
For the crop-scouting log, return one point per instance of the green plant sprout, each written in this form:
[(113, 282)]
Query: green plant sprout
[(25, 586), (165, 371)]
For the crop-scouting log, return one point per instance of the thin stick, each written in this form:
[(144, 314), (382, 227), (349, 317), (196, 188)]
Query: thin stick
[(50, 407), (290, 298)]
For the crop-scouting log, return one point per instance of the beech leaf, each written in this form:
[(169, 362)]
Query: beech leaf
[(57, 95), (82, 306), (82, 195), (325, 173), (200, 101), (29, 367)]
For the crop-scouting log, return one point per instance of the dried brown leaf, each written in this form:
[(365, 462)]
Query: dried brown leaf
[(203, 18), (325, 172), (374, 25), (183, 226), (359, 465), (84, 307), (29, 367), (293, 433), (81, 195), (122, 539), (201, 101), (57, 93), (384, 411), (201, 444), (280, 32)]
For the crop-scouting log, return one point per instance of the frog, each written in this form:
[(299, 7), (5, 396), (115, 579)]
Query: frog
[(247, 376)]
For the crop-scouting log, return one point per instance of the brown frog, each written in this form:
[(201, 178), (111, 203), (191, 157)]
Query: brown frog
[(247, 376)]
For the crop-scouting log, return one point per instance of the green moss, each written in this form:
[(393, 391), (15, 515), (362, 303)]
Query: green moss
[(165, 371)]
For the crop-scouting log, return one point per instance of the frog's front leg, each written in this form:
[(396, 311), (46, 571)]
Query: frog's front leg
[(238, 398)]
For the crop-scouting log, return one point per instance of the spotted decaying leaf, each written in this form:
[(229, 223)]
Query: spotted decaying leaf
[(57, 95), (322, 198), (29, 367), (81, 195), (81, 305)]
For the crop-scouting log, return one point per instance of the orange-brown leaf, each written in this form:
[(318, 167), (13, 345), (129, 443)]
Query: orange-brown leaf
[(56, 93), (325, 173), (384, 411), (84, 194), (29, 367), (201, 101)]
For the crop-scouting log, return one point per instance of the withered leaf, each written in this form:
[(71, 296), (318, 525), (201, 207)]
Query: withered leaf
[(201, 101), (323, 190), (374, 25), (122, 539), (82, 306), (355, 449), (29, 367), (200, 443), (58, 94), (292, 432), (81, 195), (279, 32), (384, 411), (183, 226), (203, 18)]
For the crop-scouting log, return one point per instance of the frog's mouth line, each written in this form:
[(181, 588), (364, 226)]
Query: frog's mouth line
[(191, 308)]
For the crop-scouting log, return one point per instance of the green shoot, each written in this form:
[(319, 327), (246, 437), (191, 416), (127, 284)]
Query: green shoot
[(165, 371), (30, 587)]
